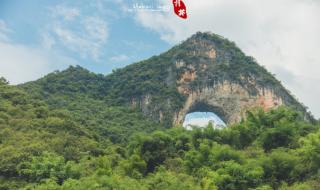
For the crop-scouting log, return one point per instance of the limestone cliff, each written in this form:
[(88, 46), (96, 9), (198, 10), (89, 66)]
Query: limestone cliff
[(212, 74), (204, 73)]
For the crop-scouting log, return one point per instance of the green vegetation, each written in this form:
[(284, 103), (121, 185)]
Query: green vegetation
[(155, 81), (85, 93), (79, 93), (74, 129), (46, 147)]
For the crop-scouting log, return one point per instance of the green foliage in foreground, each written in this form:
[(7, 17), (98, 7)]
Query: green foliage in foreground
[(45, 148)]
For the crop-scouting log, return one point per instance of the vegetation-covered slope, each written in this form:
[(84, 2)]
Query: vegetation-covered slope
[(48, 148), (74, 129), (152, 86), (79, 91)]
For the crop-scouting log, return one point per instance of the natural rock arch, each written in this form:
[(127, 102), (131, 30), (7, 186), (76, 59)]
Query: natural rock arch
[(205, 107), (210, 74), (229, 101)]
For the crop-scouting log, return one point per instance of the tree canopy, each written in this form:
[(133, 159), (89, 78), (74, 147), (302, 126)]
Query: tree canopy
[(47, 147)]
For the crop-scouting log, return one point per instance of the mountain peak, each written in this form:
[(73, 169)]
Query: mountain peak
[(207, 37), (76, 68), (204, 73), (205, 45)]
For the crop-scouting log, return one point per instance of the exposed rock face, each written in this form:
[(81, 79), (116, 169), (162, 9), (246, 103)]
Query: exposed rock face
[(213, 75), (204, 73), (229, 100)]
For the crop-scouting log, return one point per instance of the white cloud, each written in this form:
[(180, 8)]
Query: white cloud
[(47, 41), (83, 34), (137, 45), (20, 63), (119, 58), (96, 28), (4, 30), (282, 35), (68, 13), (66, 29)]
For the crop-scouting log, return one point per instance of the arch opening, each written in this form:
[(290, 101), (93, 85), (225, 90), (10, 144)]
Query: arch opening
[(202, 114)]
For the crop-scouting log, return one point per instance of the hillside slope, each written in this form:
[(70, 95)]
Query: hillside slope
[(42, 148), (204, 73), (77, 130)]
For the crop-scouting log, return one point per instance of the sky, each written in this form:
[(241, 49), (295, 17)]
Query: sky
[(202, 119), (41, 36)]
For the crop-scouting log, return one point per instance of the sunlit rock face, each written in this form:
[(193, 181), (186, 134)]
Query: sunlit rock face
[(206, 73), (202, 119), (229, 100)]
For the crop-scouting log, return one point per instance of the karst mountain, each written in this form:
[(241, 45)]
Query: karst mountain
[(203, 73)]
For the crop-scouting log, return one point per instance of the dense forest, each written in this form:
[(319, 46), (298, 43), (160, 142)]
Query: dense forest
[(61, 143), (75, 129)]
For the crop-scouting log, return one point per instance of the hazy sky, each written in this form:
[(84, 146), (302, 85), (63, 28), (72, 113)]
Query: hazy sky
[(202, 119), (38, 37)]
